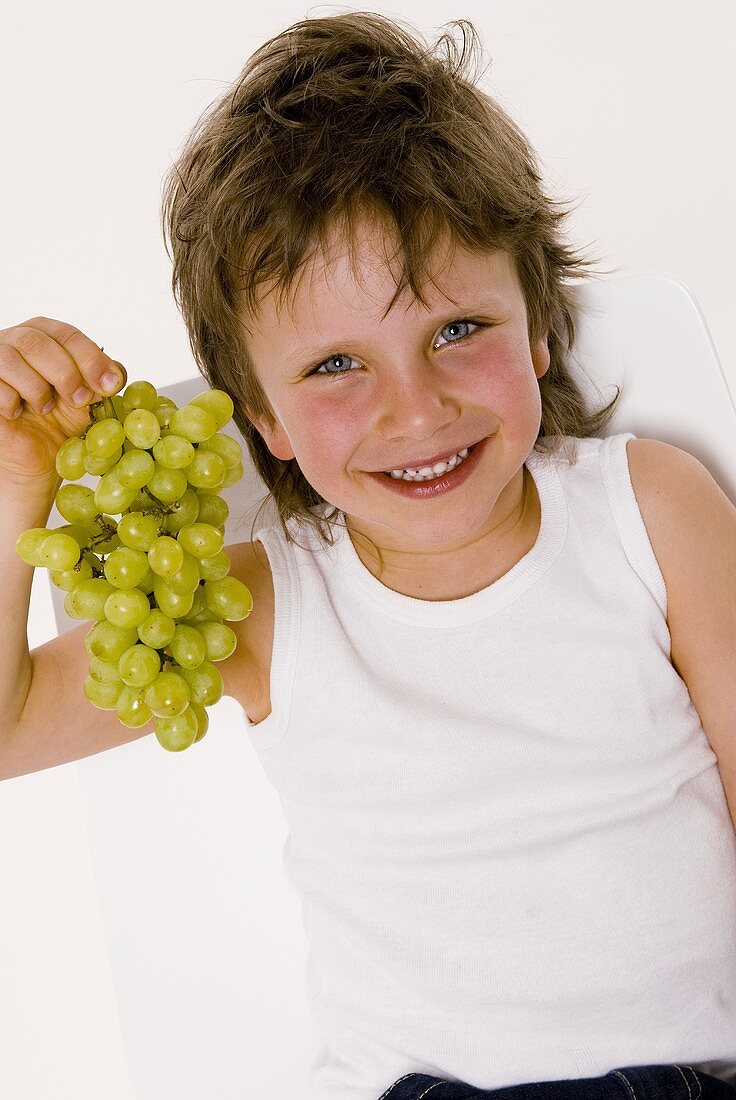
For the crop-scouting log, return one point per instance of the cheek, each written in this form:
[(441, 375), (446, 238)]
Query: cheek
[(505, 378), (327, 427)]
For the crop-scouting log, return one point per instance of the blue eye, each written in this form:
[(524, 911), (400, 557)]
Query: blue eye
[(454, 324), (318, 370), (451, 324)]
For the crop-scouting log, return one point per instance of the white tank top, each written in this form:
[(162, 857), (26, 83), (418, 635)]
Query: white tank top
[(506, 824)]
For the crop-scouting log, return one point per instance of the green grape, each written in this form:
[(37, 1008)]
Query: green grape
[(104, 438), (202, 720), (104, 696), (201, 539), (176, 733), (186, 510), (70, 459), (94, 563), (104, 671), (203, 617), (76, 503), (146, 585), (131, 709), (220, 640), (165, 556), (67, 579), (142, 428), (127, 607), (193, 423), (111, 496), (227, 448), (142, 501), (212, 509), (229, 598), (139, 666), (216, 567), (188, 577), (28, 545), (58, 552), (168, 485), (81, 532), (196, 619), (135, 469), (232, 476), (163, 409), (173, 452), (157, 630), (87, 599), (218, 403), (140, 395), (204, 682), (138, 531), (107, 547), (168, 695), (118, 405), (206, 470), (125, 567), (199, 612), (99, 466), (188, 646), (174, 604)]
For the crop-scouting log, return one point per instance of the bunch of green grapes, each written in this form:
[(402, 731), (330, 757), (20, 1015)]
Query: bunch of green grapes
[(156, 580)]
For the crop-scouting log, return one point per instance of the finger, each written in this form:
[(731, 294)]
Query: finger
[(20, 382), (75, 360), (10, 406)]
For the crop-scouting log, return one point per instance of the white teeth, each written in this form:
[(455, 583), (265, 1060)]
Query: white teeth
[(428, 472)]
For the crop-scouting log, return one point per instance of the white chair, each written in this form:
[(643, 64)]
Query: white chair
[(205, 943)]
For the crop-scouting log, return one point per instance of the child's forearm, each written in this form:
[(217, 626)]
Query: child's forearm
[(19, 510)]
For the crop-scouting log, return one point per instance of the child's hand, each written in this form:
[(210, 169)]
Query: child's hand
[(43, 361)]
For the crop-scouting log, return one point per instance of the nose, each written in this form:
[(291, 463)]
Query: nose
[(415, 404)]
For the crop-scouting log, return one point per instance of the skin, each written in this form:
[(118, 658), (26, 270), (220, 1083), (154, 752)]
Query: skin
[(399, 396)]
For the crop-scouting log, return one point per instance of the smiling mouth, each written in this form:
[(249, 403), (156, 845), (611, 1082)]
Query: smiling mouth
[(416, 466), (456, 460)]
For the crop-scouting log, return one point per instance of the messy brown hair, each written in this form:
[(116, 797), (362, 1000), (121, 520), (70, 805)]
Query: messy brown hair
[(331, 119)]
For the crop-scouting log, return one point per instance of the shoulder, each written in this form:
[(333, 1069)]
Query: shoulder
[(246, 673), (677, 495), (669, 483), (690, 521)]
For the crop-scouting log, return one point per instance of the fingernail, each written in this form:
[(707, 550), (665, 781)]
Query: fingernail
[(48, 407), (110, 380), (81, 396)]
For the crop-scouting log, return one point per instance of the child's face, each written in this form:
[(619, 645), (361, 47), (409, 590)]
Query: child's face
[(391, 395)]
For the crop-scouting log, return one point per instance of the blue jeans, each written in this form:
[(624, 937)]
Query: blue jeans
[(656, 1082)]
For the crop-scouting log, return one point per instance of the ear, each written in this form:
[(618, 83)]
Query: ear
[(540, 355), (276, 440)]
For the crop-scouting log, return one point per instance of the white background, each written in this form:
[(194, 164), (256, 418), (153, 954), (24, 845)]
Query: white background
[(630, 107)]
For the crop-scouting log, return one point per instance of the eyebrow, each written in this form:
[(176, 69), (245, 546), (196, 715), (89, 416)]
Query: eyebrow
[(301, 358)]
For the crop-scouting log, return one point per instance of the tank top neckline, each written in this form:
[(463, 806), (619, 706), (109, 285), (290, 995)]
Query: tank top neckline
[(349, 571)]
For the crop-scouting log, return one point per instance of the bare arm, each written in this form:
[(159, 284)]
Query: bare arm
[(692, 526), (18, 512)]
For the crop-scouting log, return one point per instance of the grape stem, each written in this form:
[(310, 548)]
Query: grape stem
[(106, 532), (167, 659), (104, 408)]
